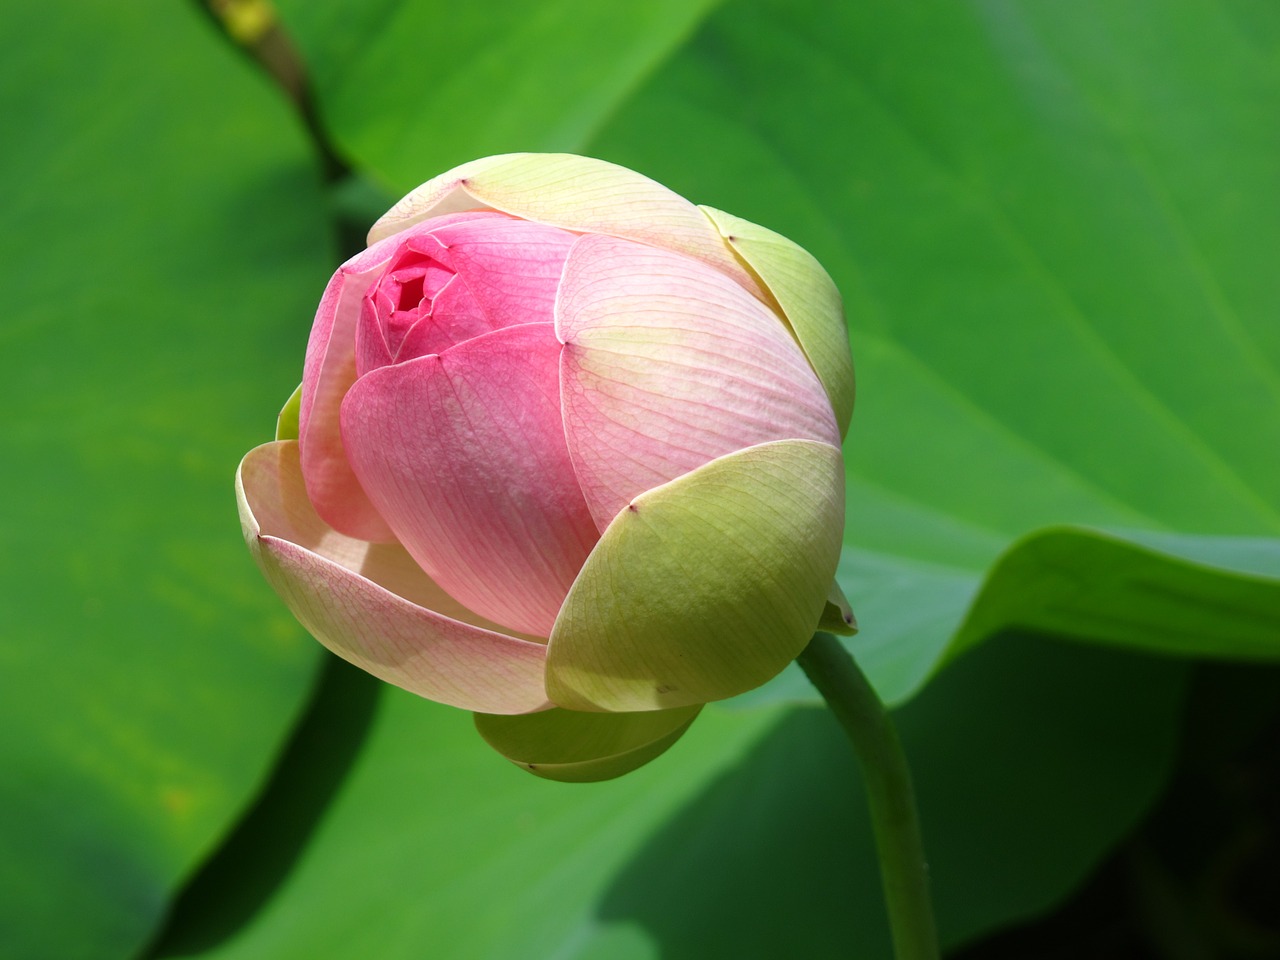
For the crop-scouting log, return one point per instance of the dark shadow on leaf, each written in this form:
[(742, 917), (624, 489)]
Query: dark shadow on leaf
[(779, 842), (1031, 759), (256, 858)]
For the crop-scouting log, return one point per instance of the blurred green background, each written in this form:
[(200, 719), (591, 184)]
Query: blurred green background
[(1055, 227)]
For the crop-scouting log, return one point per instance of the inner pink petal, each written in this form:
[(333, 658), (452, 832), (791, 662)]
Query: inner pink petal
[(464, 455), (454, 317), (512, 268), (333, 362), (452, 280)]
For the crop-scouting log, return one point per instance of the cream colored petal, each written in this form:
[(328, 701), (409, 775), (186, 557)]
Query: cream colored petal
[(372, 605), (575, 193), (808, 298)]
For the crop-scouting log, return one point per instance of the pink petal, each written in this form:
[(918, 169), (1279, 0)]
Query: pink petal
[(328, 373), (478, 275), (371, 348), (512, 267), (667, 365), (456, 317), (464, 454), (372, 605), (578, 193)]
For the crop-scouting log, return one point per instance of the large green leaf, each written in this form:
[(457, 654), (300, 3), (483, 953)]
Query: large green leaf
[(162, 249), (1053, 228), (1171, 593), (412, 89), (747, 839)]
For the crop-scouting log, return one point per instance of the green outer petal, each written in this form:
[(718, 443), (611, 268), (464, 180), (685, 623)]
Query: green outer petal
[(808, 297), (704, 587), (287, 425), (584, 747)]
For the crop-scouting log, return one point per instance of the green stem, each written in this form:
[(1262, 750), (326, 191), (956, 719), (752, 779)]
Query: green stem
[(903, 871)]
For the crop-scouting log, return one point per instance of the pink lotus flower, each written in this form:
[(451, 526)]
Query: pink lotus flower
[(567, 454)]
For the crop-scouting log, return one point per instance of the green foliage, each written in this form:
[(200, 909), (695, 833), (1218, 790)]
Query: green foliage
[(413, 89), (162, 236), (1053, 226), (747, 839)]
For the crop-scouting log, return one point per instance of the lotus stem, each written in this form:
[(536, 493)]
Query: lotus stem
[(904, 873)]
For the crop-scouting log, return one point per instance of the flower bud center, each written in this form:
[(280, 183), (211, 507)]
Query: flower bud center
[(410, 294), (405, 297)]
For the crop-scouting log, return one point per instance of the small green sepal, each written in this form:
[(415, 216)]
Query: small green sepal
[(575, 747), (837, 615), (287, 426)]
